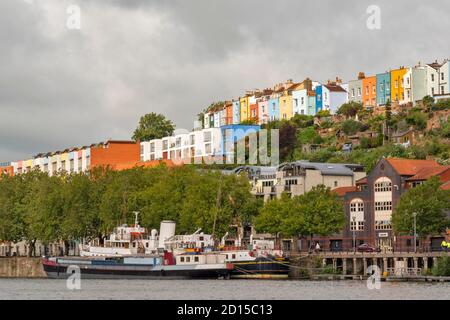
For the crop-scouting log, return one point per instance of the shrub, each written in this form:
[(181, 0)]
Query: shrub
[(443, 267)]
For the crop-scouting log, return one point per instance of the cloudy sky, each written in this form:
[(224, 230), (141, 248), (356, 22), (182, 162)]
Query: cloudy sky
[(62, 87)]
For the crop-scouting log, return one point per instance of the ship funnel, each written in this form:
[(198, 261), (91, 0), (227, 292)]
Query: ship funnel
[(166, 231), (222, 242)]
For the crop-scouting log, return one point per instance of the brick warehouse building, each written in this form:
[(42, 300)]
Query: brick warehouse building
[(369, 205)]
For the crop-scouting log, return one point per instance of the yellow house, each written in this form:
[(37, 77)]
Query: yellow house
[(397, 85), (285, 101), (245, 108)]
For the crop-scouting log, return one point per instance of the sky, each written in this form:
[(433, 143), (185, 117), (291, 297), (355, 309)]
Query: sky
[(62, 86)]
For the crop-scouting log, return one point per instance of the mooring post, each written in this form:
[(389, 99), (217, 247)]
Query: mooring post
[(365, 266)]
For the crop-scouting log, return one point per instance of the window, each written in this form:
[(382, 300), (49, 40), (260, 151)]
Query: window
[(442, 76), (71, 166), (267, 183), (142, 149), (188, 259), (181, 259), (178, 142), (367, 89), (373, 89), (335, 183), (165, 144), (207, 148), (383, 186), (207, 136), (296, 102), (152, 147), (442, 89), (383, 225), (303, 101), (432, 77), (359, 92), (63, 165), (432, 91), (196, 259), (381, 87), (353, 93), (396, 84), (383, 206)]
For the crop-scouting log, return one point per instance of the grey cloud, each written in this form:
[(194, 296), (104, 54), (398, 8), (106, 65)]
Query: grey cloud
[(60, 88)]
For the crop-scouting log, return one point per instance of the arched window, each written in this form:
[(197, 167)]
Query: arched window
[(383, 184), (356, 215)]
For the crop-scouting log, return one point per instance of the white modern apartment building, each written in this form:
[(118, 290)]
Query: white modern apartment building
[(190, 145)]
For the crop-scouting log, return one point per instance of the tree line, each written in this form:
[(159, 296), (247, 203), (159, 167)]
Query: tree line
[(63, 207)]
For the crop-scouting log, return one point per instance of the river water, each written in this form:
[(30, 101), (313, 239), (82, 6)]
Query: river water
[(219, 289)]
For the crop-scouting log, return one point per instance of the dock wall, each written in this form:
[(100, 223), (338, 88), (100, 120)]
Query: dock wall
[(21, 267)]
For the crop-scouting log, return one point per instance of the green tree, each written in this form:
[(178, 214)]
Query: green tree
[(153, 126), (350, 109), (351, 127), (322, 211), (430, 204)]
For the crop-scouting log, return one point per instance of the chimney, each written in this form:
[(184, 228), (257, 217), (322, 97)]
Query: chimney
[(361, 75)]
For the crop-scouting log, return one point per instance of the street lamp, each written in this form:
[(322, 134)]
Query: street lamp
[(415, 234), (354, 234)]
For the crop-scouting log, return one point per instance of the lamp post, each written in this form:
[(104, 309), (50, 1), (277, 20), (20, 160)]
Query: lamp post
[(415, 233), (354, 234)]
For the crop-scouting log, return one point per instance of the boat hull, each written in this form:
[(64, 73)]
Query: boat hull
[(261, 268), (62, 271)]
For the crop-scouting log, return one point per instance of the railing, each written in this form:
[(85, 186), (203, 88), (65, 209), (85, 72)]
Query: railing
[(404, 271)]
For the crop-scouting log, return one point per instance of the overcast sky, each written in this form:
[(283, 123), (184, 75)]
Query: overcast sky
[(61, 87)]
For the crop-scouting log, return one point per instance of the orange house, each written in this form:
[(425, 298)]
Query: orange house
[(115, 153), (7, 170), (369, 91), (254, 112), (229, 113)]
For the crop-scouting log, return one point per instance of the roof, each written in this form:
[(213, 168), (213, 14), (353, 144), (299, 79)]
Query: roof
[(362, 181), (341, 191), (428, 172), (331, 169), (408, 167), (435, 65), (334, 88)]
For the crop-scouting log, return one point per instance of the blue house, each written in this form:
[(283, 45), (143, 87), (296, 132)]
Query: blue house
[(383, 88), (274, 109), (319, 99), (233, 133)]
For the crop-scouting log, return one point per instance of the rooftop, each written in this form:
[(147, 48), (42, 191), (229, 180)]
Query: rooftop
[(408, 167)]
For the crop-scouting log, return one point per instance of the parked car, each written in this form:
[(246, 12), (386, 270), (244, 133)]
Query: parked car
[(367, 248)]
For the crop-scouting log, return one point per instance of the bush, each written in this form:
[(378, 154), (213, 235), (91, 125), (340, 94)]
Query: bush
[(442, 268), (417, 119), (351, 127)]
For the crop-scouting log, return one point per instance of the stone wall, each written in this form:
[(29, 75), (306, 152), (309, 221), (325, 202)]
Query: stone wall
[(21, 267)]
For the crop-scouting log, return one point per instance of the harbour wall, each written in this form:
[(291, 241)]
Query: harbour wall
[(21, 267)]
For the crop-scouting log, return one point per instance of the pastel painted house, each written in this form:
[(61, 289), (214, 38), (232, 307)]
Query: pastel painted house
[(285, 100), (330, 97), (274, 108), (263, 109), (397, 84), (369, 92), (438, 84), (383, 88), (415, 84), (303, 98), (355, 88)]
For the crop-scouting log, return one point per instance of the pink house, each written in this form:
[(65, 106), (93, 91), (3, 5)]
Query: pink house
[(263, 106)]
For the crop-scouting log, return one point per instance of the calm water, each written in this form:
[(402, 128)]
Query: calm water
[(218, 289)]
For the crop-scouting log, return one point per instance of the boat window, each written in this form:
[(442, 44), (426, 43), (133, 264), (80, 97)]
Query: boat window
[(182, 259), (196, 259), (134, 244), (146, 244), (188, 259), (233, 256)]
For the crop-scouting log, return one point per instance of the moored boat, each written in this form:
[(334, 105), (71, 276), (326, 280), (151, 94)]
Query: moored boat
[(199, 266)]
